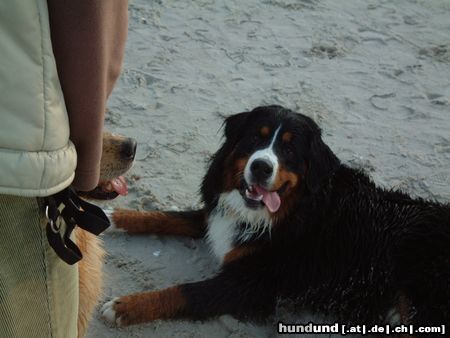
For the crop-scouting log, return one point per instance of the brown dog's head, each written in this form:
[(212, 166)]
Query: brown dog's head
[(117, 157)]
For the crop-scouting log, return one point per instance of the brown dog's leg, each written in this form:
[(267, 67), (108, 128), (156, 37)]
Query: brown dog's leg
[(242, 289), (90, 277), (183, 223)]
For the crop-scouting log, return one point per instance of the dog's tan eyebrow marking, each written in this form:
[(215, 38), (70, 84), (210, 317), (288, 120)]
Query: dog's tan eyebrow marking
[(265, 131), (287, 136)]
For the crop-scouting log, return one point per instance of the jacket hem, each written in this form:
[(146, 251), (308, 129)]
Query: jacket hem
[(44, 192)]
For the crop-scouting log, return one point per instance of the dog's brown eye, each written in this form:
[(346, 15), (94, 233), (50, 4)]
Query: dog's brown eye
[(290, 154)]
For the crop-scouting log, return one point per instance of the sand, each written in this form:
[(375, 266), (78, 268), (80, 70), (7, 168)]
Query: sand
[(374, 74)]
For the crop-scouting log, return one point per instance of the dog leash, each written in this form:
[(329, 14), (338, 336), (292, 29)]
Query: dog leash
[(74, 211)]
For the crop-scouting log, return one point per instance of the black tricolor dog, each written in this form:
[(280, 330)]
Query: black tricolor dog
[(288, 220)]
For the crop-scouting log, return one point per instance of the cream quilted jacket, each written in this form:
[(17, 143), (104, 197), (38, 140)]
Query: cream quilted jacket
[(36, 156)]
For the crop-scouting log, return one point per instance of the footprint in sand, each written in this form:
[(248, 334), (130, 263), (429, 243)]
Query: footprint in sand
[(279, 57), (329, 51), (293, 5), (440, 53), (330, 45)]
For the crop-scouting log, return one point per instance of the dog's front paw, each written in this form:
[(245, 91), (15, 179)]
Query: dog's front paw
[(144, 307), (113, 312), (131, 309)]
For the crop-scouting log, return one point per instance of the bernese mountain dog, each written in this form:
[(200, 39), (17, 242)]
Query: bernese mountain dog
[(287, 220)]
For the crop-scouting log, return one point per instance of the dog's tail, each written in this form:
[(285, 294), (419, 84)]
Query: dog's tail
[(172, 223)]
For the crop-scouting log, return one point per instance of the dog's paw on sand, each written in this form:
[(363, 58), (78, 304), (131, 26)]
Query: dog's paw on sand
[(128, 310), (108, 313), (112, 228)]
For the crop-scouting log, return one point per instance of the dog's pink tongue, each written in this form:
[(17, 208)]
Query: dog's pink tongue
[(270, 198), (120, 185)]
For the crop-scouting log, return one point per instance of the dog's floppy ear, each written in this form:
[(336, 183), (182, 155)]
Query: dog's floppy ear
[(234, 125), (322, 162)]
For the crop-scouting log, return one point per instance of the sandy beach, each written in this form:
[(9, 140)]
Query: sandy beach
[(374, 74)]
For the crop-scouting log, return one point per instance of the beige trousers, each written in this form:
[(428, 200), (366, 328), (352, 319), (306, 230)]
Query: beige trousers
[(38, 291)]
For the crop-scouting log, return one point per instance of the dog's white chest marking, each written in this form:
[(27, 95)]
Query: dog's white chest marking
[(226, 220), (221, 233)]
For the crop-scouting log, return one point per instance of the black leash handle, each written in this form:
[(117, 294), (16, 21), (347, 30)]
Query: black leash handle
[(74, 211), (86, 215), (64, 247)]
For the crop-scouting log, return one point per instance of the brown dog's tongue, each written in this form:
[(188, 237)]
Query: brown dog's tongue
[(270, 198), (120, 185)]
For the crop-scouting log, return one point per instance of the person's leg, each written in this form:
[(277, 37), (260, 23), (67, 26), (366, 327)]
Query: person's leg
[(38, 291)]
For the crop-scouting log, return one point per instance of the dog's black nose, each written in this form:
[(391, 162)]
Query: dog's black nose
[(261, 170), (128, 150)]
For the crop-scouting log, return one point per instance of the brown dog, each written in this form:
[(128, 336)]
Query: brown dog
[(117, 157)]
